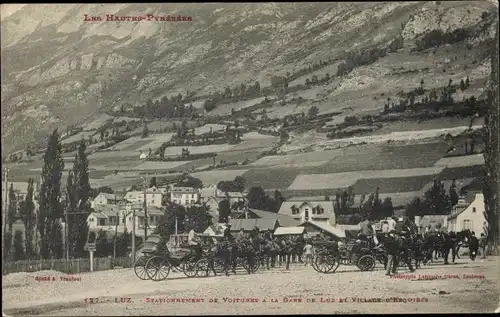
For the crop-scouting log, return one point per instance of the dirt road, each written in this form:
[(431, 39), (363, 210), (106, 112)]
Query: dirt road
[(464, 287)]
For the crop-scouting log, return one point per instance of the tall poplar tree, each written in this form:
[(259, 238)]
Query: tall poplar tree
[(51, 211), (27, 211), (83, 193), (491, 136)]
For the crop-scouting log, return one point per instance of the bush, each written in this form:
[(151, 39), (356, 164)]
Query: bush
[(437, 38)]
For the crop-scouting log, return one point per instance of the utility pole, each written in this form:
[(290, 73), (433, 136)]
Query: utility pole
[(145, 208), (6, 210), (116, 233), (133, 235)]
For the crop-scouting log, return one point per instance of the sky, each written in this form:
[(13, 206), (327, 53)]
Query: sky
[(9, 9)]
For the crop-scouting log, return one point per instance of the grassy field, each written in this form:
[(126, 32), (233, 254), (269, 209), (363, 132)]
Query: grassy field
[(135, 146), (156, 141), (206, 128), (461, 161), (98, 122), (213, 177), (225, 109), (130, 142), (77, 137), (158, 165)]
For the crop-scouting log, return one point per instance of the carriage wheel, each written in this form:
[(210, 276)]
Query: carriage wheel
[(201, 268), (158, 268), (140, 268), (255, 266), (313, 263), (189, 269), (324, 264), (366, 262)]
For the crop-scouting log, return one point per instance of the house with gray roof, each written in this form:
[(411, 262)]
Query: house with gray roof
[(249, 224), (284, 220), (309, 210)]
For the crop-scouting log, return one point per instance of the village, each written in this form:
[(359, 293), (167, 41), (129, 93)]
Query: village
[(113, 214)]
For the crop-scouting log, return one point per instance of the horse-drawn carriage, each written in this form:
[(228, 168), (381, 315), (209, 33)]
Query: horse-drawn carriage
[(156, 260), (329, 255)]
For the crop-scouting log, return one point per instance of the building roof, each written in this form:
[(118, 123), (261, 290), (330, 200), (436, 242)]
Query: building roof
[(155, 211), (107, 210), (210, 191), (214, 215), (284, 220), (288, 230), (349, 227), (250, 224), (326, 227), (229, 194), (286, 207), (98, 215), (432, 220), (109, 196), (183, 190), (469, 198)]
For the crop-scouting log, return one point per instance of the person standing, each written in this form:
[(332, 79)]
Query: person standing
[(482, 245), (473, 246), (308, 253), (392, 248), (228, 245), (447, 246), (212, 253), (194, 242)]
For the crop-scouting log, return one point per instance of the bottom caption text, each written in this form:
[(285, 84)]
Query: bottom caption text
[(230, 300)]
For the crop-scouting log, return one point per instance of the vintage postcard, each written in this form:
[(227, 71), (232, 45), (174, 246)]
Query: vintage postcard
[(250, 158)]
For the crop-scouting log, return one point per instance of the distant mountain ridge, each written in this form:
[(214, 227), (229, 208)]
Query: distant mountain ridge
[(57, 68)]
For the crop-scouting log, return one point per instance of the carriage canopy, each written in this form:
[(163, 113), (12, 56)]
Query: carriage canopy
[(281, 231)]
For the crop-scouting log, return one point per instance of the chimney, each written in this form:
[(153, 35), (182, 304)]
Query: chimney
[(417, 221)]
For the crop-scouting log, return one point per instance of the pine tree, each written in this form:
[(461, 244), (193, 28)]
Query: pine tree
[(50, 211), (18, 247), (83, 192), (453, 194), (145, 131), (12, 211), (436, 199), (103, 247), (462, 85), (28, 216), (197, 218), (71, 208)]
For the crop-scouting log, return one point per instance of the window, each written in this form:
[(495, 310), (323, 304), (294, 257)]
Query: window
[(102, 222), (467, 225), (473, 209), (306, 217), (193, 201)]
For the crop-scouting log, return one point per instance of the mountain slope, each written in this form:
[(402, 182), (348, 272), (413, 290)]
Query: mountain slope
[(57, 69)]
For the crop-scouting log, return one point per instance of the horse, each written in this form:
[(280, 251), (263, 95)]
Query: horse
[(243, 249), (461, 240)]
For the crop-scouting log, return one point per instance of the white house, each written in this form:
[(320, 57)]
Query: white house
[(320, 211), (119, 217), (105, 199), (469, 214), (154, 197), (185, 196)]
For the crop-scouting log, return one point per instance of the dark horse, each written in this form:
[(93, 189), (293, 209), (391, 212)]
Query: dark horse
[(243, 249), (461, 240)]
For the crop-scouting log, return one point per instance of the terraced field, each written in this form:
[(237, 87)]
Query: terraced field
[(225, 109), (213, 177)]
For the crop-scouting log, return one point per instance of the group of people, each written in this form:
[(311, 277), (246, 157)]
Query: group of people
[(400, 241)]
